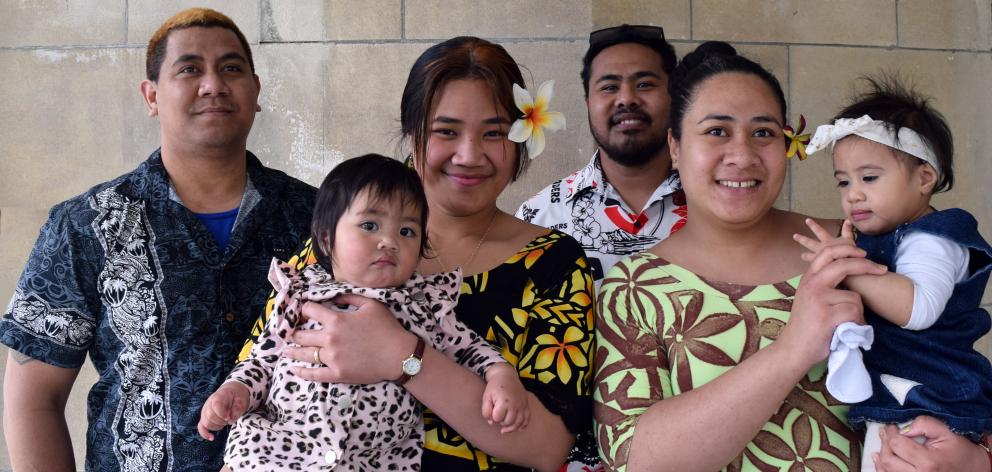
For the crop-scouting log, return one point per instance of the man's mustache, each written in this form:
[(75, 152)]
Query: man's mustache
[(628, 115)]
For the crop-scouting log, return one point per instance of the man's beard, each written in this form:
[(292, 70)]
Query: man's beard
[(633, 152)]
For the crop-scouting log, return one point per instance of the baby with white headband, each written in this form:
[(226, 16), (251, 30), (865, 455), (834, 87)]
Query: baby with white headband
[(891, 152)]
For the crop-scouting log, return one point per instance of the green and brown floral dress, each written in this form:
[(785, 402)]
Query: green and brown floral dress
[(663, 330)]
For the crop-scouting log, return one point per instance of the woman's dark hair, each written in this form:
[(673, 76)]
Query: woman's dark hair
[(463, 57), (888, 100), (709, 59), (382, 177)]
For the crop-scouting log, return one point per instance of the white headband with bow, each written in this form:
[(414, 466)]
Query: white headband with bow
[(907, 140)]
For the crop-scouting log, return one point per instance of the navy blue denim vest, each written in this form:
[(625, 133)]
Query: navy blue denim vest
[(956, 379)]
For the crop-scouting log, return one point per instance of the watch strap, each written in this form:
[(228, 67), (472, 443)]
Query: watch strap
[(418, 353)]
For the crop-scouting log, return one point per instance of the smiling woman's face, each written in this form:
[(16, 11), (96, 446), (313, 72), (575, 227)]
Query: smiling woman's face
[(731, 157), (469, 158)]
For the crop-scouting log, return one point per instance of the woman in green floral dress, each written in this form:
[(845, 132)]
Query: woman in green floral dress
[(711, 345)]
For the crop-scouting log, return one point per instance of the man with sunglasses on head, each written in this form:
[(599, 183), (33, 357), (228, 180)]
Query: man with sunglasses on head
[(627, 198)]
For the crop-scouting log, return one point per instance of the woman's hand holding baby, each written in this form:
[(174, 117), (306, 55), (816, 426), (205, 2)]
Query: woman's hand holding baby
[(345, 350), (942, 451), (820, 306)]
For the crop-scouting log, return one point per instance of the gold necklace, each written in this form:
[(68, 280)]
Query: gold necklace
[(437, 255)]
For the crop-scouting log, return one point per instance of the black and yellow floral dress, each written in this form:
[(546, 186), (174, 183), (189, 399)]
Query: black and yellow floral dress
[(537, 309)]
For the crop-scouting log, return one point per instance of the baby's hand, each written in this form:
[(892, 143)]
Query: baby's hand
[(505, 399), (224, 407), (825, 238)]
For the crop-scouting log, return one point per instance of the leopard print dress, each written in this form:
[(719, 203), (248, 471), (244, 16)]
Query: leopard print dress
[(295, 424)]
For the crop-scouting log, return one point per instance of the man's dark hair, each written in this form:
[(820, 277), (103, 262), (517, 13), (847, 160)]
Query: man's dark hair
[(652, 37), (190, 18)]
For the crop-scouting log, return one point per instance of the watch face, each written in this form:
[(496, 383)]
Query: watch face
[(411, 366)]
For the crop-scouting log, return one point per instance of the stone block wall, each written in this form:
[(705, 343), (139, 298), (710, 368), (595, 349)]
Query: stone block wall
[(332, 72)]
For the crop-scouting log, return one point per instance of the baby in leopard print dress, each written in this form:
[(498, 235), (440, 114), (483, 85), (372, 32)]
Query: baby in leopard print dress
[(370, 220)]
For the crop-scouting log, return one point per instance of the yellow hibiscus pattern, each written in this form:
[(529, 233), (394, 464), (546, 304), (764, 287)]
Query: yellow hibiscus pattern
[(537, 309), (664, 331)]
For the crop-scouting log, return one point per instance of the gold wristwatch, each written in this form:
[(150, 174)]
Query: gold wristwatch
[(411, 365)]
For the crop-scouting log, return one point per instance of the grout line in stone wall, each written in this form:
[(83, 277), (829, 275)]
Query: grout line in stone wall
[(897, 22), (986, 25), (560, 39), (127, 4), (690, 19), (563, 39), (352, 41), (73, 48), (402, 19), (567, 39), (261, 21), (840, 45)]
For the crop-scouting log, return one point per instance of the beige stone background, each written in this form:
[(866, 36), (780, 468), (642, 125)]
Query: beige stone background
[(332, 72)]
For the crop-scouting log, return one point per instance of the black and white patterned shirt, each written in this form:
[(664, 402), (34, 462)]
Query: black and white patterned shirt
[(127, 275), (585, 206)]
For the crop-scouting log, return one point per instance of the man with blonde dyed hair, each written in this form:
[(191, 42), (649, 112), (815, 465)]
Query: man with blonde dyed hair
[(157, 274)]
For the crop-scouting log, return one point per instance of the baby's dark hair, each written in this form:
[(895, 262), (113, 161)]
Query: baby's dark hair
[(710, 59), (382, 177), (888, 100)]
